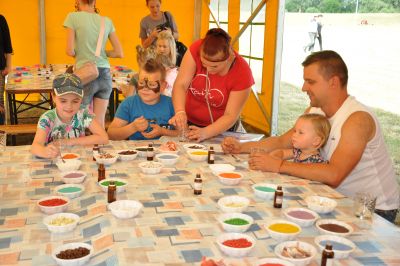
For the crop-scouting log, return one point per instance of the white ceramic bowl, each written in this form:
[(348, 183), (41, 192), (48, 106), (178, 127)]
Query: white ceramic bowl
[(68, 165), (301, 216), (73, 262), (281, 235), (63, 190), (50, 222), (342, 247), (230, 181), (150, 167), (235, 228), (221, 167), (125, 209), (235, 252), (233, 204), (53, 209), (106, 158), (273, 261), (73, 177), (167, 158), (264, 190), (127, 157), (194, 147), (168, 147), (303, 245), (142, 151), (70, 156), (120, 188), (320, 204), (336, 222), (198, 155)]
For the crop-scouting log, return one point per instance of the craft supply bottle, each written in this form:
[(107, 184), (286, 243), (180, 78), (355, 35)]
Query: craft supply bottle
[(112, 192), (198, 184), (211, 154), (95, 151), (150, 152), (327, 256), (101, 172), (278, 198)]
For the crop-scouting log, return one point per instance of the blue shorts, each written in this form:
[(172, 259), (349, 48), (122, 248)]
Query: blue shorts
[(98, 88)]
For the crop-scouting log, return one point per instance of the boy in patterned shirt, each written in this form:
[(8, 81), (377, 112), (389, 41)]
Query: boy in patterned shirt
[(67, 122)]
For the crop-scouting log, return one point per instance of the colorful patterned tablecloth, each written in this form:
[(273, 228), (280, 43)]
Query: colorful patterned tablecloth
[(175, 227)]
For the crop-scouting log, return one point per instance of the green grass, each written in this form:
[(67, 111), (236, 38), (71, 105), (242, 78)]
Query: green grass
[(293, 102)]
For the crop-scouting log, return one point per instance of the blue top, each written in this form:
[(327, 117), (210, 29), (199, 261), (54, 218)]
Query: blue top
[(133, 107)]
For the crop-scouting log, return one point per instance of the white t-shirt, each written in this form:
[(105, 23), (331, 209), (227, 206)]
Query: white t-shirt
[(374, 173)]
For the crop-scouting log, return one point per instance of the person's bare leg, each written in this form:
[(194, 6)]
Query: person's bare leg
[(100, 109)]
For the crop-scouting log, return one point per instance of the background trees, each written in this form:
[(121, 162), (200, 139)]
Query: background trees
[(343, 6)]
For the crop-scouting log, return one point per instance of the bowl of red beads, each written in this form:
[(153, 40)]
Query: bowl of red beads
[(76, 254), (236, 244), (53, 204)]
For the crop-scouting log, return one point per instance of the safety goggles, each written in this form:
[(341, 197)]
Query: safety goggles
[(155, 86)]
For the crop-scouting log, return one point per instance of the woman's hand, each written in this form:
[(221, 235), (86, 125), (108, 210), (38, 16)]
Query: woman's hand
[(140, 124), (179, 120), (197, 133), (231, 145), (155, 132), (154, 33)]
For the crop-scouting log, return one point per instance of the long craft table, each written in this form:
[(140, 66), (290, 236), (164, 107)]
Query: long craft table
[(38, 79), (175, 226)]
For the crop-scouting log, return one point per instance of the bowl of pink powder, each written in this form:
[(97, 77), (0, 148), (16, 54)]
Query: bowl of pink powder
[(301, 216)]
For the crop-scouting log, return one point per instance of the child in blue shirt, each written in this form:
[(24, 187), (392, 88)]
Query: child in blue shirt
[(146, 114)]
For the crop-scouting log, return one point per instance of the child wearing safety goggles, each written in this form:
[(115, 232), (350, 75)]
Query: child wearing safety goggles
[(146, 114)]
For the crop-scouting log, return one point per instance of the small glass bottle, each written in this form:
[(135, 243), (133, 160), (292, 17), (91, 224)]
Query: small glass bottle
[(327, 256), (112, 192), (198, 184), (150, 152), (101, 172), (96, 150), (211, 154), (278, 198)]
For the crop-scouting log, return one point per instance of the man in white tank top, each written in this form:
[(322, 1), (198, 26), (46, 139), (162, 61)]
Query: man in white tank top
[(358, 159)]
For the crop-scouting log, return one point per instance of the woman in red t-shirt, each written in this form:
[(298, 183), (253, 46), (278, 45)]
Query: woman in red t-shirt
[(212, 87)]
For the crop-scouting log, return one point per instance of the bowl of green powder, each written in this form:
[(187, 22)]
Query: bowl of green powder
[(70, 190), (119, 183), (235, 222), (264, 190)]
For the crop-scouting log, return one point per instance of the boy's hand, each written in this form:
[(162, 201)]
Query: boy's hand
[(155, 132), (51, 151), (140, 124)]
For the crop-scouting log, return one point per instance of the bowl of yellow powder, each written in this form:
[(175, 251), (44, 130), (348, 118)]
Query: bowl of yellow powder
[(282, 230), (198, 155)]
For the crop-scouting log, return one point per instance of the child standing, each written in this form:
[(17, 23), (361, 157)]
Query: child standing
[(145, 115), (310, 133), (67, 121)]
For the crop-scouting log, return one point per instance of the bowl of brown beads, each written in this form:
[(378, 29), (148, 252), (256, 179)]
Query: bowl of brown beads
[(127, 155), (73, 254)]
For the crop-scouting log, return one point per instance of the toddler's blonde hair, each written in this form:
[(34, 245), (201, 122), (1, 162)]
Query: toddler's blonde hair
[(321, 126)]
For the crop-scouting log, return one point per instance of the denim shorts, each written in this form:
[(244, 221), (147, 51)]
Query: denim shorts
[(98, 88)]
